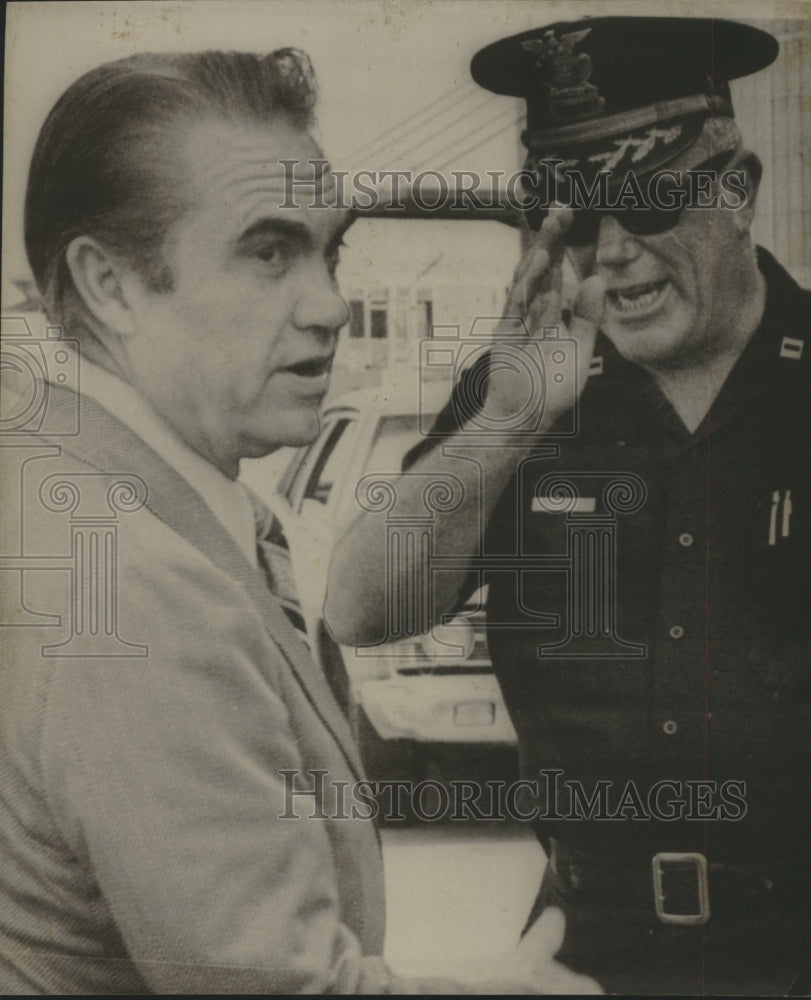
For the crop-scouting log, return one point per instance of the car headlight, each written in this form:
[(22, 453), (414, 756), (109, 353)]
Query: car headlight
[(454, 641)]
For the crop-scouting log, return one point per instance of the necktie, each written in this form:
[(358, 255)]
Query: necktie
[(273, 557)]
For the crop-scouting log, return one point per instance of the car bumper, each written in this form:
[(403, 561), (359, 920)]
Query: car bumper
[(460, 708)]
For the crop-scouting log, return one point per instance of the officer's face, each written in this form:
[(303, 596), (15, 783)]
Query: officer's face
[(236, 356), (675, 297)]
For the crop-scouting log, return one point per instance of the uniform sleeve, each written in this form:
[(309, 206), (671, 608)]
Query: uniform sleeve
[(467, 397)]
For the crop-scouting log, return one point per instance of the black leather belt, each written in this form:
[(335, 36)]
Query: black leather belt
[(681, 888)]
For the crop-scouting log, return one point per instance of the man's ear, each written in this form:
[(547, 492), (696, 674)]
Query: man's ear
[(99, 279), (752, 169)]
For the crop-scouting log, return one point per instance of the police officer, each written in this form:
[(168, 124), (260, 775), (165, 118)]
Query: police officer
[(643, 526)]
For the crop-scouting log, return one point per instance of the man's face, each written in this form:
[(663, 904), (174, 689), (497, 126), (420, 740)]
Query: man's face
[(675, 296), (236, 357)]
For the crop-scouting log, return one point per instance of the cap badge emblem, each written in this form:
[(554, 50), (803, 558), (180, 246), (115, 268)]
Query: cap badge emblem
[(565, 74)]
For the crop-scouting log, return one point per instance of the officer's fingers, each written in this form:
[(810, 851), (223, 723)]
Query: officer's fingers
[(535, 263), (561, 218), (547, 248), (544, 311), (557, 224), (544, 939), (553, 229), (587, 313), (551, 238), (547, 278), (587, 310)]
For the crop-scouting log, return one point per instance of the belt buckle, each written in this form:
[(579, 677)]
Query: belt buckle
[(659, 863)]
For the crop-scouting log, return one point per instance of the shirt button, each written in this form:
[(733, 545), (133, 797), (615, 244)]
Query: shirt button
[(686, 539), (669, 727), (676, 631)]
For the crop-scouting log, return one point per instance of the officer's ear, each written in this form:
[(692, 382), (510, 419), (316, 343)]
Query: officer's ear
[(748, 171), (100, 280)]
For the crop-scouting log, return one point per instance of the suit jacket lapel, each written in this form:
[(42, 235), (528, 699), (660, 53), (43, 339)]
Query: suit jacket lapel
[(105, 442)]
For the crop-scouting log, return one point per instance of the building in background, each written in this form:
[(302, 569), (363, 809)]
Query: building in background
[(406, 279), (772, 108)]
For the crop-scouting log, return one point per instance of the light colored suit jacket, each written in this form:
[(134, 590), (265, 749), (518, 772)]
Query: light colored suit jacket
[(142, 784)]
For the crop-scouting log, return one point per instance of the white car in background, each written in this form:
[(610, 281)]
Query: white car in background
[(436, 689)]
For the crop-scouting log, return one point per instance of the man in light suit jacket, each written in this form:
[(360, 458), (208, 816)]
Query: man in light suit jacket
[(163, 723)]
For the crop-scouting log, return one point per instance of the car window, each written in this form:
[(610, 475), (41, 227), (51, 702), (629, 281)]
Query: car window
[(310, 474), (294, 473), (329, 460), (314, 472)]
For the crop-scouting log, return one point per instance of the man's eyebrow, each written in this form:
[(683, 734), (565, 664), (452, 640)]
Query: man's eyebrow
[(296, 231), (347, 222)]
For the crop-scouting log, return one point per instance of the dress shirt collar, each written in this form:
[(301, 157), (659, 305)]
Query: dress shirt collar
[(226, 498)]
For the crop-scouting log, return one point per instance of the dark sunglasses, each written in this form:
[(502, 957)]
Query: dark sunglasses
[(649, 220)]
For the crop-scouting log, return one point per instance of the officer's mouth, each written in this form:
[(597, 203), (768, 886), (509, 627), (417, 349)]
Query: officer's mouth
[(638, 301), (310, 367)]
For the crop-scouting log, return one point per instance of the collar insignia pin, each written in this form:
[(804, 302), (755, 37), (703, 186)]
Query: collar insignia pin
[(791, 347)]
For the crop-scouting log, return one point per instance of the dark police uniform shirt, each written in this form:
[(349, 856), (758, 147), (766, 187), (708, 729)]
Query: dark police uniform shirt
[(686, 585)]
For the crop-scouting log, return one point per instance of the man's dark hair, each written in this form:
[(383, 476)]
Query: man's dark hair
[(104, 164)]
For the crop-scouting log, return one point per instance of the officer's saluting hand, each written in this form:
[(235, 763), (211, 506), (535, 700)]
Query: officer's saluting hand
[(522, 345)]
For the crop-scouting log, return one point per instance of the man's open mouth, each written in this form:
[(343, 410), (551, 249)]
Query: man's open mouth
[(637, 298), (311, 368)]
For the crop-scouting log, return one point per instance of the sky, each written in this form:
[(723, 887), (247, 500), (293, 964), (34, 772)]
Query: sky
[(380, 64)]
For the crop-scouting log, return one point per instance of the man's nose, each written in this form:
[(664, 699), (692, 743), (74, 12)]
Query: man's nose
[(615, 245), (319, 305)]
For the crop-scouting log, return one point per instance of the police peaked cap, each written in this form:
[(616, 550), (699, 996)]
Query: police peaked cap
[(623, 93)]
